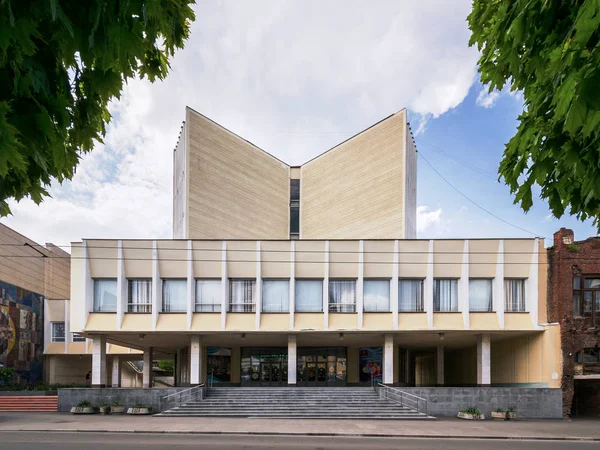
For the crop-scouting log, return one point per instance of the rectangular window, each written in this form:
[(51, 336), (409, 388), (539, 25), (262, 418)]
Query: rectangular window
[(410, 296), (480, 295), (294, 208), (77, 338), (309, 295), (514, 295), (445, 295), (241, 295), (174, 295), (294, 190), (105, 295), (275, 296), (586, 296), (376, 295), (58, 332), (139, 298), (208, 295), (342, 295), (294, 220)]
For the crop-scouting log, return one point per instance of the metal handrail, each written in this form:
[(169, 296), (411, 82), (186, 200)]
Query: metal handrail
[(402, 397), (178, 398)]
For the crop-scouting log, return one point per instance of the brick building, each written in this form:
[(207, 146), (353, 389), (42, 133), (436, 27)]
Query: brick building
[(574, 302)]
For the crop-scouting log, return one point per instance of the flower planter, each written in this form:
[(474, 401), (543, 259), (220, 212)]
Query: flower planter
[(499, 415), (511, 415), (105, 410), (86, 410), (117, 409), (139, 411), (462, 415)]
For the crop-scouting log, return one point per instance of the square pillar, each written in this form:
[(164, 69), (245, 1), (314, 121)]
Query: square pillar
[(98, 361), (147, 375), (388, 359), (196, 369), (440, 365), (292, 364), (484, 377), (116, 372)]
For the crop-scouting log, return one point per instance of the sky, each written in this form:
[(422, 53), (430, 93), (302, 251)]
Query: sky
[(295, 78)]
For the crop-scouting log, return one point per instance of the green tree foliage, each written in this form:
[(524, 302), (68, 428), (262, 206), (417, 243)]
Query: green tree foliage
[(61, 62), (548, 50)]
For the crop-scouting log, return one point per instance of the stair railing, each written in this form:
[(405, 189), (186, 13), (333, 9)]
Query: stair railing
[(183, 396), (402, 397)]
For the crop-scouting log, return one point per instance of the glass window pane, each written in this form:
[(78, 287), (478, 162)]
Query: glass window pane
[(587, 302), (445, 296), (294, 189), (591, 283), (58, 332), (342, 295), (105, 295), (376, 295), (275, 295), (410, 295), (175, 295), (576, 304), (77, 338), (208, 295), (241, 295), (309, 295), (294, 219), (480, 295), (597, 301), (576, 283), (139, 296), (514, 295)]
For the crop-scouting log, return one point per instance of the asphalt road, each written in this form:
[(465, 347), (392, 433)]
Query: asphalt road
[(92, 441)]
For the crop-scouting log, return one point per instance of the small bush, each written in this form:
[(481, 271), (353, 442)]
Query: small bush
[(472, 410), (84, 404), (7, 375), (141, 405), (499, 410), (512, 409), (117, 403), (573, 248)]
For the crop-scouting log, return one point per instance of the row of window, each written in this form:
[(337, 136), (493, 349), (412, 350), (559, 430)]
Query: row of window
[(58, 333), (586, 296), (308, 295)]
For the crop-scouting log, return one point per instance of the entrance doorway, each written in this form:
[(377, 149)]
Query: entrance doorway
[(264, 366), (321, 366)]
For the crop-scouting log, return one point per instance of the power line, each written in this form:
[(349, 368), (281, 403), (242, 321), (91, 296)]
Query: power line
[(461, 161), (473, 202)]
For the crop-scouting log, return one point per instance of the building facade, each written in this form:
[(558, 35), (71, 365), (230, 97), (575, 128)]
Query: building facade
[(574, 302)]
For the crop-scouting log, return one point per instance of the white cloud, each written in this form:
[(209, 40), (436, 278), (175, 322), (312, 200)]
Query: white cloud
[(487, 99), (427, 218), (294, 77)]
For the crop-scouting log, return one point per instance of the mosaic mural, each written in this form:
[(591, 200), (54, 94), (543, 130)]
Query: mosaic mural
[(21, 332)]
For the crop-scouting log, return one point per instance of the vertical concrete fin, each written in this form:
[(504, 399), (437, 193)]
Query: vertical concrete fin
[(428, 288), (88, 288), (360, 284), (499, 294), (191, 286), (394, 287), (326, 289), (463, 286), (258, 293), (531, 298), (156, 286), (292, 362), (224, 286), (292, 283), (121, 285)]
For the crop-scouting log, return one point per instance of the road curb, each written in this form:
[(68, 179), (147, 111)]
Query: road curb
[(369, 435)]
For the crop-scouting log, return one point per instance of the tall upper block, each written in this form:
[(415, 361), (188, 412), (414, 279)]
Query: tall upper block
[(224, 187)]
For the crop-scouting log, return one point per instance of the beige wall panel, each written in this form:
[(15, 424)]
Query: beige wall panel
[(413, 321), (552, 356), (240, 321), (137, 322), (517, 321), (542, 283), (484, 321), (77, 295), (308, 321), (56, 311), (412, 259), (521, 352), (206, 321), (517, 257), (310, 259), (448, 321), (295, 173), (55, 348), (536, 358), (235, 189), (207, 258), (447, 258), (103, 258), (77, 348), (69, 369), (348, 191), (352, 371), (340, 321), (57, 273), (274, 322), (502, 362), (378, 321), (275, 257), (101, 322), (173, 256), (171, 322), (138, 258), (483, 258), (120, 350), (241, 259), (343, 259), (375, 254)]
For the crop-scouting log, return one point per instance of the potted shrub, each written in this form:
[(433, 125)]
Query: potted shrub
[(499, 414), (139, 409), (471, 414), (105, 409), (84, 407), (511, 413), (117, 408)]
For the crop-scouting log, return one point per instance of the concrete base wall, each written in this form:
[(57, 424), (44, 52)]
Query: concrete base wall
[(531, 403), (67, 398)]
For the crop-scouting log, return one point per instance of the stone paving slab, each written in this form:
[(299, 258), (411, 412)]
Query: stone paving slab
[(580, 429)]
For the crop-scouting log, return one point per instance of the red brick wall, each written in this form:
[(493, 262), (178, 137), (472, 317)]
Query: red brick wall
[(566, 258)]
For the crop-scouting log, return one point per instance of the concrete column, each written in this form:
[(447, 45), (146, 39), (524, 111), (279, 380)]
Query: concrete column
[(147, 375), (292, 360), (408, 368), (388, 359), (360, 284), (190, 287), (224, 285), (116, 372), (531, 285), (98, 361), (292, 283), (121, 286), (196, 369), (88, 289), (463, 287), (394, 287), (156, 286), (428, 287), (258, 293), (326, 289), (484, 377), (498, 286), (440, 365)]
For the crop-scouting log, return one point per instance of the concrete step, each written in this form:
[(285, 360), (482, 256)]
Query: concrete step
[(16, 403)]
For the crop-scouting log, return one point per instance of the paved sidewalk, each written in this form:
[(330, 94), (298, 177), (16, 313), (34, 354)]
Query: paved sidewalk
[(580, 429)]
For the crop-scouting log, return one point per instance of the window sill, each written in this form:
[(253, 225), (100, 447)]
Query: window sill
[(411, 312), (481, 312), (448, 312), (343, 312), (131, 312), (103, 312), (309, 312), (206, 312), (173, 312), (516, 312), (377, 312), (274, 312)]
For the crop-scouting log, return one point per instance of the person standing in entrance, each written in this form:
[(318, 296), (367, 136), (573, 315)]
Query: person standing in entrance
[(88, 377)]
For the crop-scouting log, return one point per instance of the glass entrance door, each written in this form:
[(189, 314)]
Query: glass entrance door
[(264, 366), (321, 366)]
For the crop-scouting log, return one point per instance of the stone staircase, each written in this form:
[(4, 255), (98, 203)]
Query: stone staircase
[(29, 403), (289, 402)]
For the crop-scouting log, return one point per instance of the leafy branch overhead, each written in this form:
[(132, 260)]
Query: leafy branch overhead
[(61, 63), (550, 51)]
